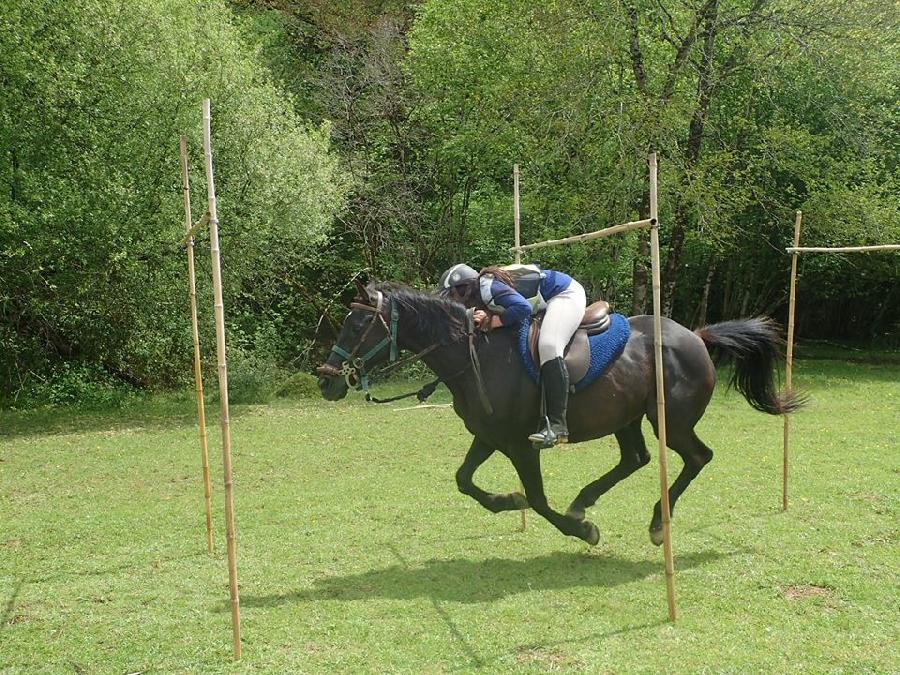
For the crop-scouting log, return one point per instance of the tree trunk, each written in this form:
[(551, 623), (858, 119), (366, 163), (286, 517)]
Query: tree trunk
[(673, 260), (640, 279), (704, 299), (709, 20)]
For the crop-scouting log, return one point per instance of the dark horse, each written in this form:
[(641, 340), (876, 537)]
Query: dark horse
[(388, 316)]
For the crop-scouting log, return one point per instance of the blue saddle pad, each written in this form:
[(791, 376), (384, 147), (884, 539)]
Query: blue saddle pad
[(605, 348)]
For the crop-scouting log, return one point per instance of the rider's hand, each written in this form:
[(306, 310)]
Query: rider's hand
[(485, 321)]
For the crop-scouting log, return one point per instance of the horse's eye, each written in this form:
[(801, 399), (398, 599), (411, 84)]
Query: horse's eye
[(357, 321)]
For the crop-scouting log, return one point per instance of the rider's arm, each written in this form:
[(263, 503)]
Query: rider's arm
[(515, 305)]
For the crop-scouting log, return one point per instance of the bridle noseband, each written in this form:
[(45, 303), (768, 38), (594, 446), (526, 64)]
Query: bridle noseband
[(354, 367)]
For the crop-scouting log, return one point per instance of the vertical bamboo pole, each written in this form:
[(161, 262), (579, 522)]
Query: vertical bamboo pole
[(661, 394), (223, 383), (789, 366), (518, 260), (198, 375), (516, 212)]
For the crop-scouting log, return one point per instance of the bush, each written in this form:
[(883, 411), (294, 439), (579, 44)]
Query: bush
[(299, 385), (86, 384), (252, 378)]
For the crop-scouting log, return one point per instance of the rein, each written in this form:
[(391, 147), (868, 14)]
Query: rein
[(476, 364)]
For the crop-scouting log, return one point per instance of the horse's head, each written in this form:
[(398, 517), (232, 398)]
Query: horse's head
[(366, 339)]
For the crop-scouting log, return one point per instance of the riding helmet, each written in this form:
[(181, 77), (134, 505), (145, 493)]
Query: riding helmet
[(456, 275)]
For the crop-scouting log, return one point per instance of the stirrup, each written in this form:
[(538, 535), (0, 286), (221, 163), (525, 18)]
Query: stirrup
[(547, 438)]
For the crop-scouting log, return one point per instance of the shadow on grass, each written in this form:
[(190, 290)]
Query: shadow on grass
[(161, 412), (851, 369), (6, 616), (470, 581)]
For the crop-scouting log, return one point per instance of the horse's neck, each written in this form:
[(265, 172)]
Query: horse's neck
[(444, 360)]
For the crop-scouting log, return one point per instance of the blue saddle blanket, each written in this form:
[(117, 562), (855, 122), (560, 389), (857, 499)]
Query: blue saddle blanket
[(605, 348)]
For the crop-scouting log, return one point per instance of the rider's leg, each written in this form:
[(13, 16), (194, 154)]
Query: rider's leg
[(564, 313)]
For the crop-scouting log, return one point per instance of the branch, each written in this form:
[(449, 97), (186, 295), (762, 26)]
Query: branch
[(637, 58), (702, 17)]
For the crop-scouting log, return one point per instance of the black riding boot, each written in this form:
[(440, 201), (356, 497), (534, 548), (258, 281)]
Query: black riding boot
[(555, 380)]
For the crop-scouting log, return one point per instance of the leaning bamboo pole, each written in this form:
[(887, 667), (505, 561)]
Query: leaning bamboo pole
[(661, 393), (789, 364), (518, 240), (653, 223), (842, 249), (198, 374), (223, 384), (615, 229)]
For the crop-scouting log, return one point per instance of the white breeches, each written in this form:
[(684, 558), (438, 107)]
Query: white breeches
[(564, 314)]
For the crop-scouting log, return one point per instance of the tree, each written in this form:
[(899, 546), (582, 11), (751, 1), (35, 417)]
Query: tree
[(95, 96)]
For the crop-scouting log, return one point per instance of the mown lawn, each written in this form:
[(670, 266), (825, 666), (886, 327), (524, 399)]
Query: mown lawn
[(356, 553)]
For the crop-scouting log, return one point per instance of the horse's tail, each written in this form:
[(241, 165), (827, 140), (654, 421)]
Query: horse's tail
[(753, 347)]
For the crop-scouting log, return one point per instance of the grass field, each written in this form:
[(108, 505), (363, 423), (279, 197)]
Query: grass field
[(357, 554)]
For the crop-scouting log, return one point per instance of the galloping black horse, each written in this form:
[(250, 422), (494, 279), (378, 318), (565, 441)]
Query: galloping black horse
[(387, 317)]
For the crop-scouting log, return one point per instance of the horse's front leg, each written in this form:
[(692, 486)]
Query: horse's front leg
[(527, 461), (492, 501)]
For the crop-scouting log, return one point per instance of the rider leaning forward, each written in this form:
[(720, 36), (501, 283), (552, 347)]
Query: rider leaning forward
[(563, 299)]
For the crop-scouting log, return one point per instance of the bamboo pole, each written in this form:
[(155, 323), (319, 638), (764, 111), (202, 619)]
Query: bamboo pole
[(518, 252), (789, 365), (661, 394), (198, 374), (843, 249), (223, 384), (516, 221), (615, 229)]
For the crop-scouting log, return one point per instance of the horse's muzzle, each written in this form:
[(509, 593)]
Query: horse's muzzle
[(331, 383)]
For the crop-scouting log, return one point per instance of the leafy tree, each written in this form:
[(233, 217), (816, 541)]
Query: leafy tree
[(95, 96)]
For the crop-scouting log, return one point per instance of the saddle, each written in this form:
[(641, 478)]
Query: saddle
[(597, 320)]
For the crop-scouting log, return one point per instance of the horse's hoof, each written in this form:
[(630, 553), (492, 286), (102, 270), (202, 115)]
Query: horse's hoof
[(590, 533), (656, 536)]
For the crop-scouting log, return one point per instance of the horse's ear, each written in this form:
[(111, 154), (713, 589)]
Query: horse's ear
[(361, 291)]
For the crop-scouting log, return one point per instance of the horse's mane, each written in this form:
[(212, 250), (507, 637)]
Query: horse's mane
[(439, 319)]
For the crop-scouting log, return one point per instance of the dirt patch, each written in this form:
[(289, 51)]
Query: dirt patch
[(798, 591), (548, 659)]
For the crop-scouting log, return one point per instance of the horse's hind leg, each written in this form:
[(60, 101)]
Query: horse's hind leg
[(492, 501), (696, 455), (633, 455), (527, 461)]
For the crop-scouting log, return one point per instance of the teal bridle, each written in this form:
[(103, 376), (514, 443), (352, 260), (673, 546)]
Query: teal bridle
[(355, 368)]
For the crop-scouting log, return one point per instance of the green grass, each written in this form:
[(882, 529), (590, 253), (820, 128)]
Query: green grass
[(357, 554)]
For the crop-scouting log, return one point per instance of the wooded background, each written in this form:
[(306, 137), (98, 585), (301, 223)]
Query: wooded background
[(380, 136)]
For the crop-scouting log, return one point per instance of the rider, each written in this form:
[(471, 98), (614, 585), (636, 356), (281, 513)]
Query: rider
[(564, 300)]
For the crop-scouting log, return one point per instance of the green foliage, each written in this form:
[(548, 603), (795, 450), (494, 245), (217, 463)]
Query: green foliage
[(299, 386), (70, 383), (253, 377), (380, 136), (94, 100)]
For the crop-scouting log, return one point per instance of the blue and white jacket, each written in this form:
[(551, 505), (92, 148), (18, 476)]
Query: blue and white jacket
[(512, 306)]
